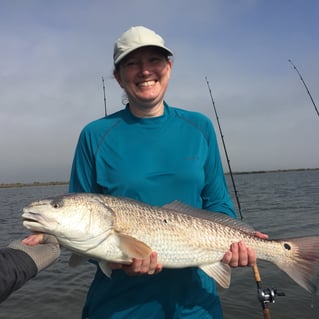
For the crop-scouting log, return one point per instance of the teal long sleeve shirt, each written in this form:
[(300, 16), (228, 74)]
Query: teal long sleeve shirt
[(154, 160)]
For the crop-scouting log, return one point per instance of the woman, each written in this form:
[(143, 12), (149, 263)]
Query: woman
[(154, 153)]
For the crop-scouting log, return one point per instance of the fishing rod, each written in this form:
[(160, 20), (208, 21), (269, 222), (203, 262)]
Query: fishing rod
[(224, 145), (105, 111), (305, 85), (265, 296)]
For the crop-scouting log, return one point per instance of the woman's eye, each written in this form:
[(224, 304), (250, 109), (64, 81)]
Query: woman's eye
[(156, 60), (130, 63)]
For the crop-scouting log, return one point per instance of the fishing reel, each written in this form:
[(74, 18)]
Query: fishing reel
[(268, 295)]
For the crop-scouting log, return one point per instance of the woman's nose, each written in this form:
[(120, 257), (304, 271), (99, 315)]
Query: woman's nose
[(144, 67)]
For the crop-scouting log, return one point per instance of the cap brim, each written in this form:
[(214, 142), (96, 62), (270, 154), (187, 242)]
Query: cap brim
[(127, 52)]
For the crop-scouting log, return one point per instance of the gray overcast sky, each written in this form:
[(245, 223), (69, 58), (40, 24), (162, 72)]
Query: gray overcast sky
[(54, 53)]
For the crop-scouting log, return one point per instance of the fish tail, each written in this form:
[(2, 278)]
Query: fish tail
[(302, 262)]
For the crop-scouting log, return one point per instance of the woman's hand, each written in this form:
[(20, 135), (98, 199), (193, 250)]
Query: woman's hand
[(147, 266), (239, 255)]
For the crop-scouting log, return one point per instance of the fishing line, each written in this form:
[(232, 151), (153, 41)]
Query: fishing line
[(305, 85)]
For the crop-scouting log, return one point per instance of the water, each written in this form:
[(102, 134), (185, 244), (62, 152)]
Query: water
[(279, 204)]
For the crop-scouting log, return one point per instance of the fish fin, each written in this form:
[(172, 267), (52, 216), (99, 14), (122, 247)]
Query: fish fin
[(134, 248), (302, 264), (76, 260), (219, 271), (209, 215), (105, 267)]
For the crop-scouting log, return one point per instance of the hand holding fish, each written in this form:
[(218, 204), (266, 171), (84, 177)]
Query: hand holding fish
[(239, 255)]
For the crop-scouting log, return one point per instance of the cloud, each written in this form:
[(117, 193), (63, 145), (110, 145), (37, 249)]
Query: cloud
[(53, 55)]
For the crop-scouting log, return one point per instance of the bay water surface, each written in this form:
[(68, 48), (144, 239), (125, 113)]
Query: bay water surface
[(281, 204)]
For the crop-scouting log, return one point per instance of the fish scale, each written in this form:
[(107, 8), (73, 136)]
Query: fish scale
[(163, 228), (165, 232)]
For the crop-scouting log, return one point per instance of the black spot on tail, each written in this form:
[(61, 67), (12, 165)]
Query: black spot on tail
[(287, 246)]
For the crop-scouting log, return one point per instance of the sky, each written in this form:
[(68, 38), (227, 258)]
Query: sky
[(55, 53)]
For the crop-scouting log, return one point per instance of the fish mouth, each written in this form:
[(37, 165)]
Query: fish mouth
[(30, 216), (35, 221), (31, 220)]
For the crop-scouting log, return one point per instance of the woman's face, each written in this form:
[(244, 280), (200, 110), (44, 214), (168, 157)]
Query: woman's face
[(144, 75)]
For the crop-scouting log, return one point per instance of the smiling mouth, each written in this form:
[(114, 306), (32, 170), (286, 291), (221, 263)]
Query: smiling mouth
[(147, 83)]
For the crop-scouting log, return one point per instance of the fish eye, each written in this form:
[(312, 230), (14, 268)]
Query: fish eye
[(56, 203)]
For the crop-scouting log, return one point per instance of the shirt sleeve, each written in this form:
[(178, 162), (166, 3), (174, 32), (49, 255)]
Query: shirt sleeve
[(83, 172), (16, 268), (215, 194)]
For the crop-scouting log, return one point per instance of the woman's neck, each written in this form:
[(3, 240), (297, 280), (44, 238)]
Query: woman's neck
[(145, 111)]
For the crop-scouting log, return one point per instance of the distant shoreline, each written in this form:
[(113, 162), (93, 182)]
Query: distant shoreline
[(276, 171), (15, 185)]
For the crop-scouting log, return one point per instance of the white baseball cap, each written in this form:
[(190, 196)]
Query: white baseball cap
[(134, 38)]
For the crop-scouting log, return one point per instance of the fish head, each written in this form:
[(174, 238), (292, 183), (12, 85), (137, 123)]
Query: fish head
[(80, 219)]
